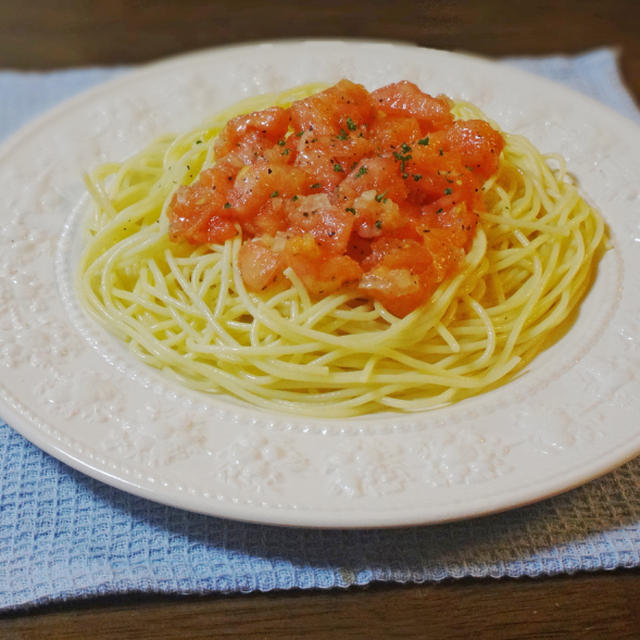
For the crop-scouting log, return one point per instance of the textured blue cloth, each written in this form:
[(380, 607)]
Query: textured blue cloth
[(64, 535)]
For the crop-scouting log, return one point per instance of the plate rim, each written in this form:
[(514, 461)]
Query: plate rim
[(614, 457)]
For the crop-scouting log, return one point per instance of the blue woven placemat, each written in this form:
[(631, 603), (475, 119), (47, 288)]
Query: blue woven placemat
[(64, 535)]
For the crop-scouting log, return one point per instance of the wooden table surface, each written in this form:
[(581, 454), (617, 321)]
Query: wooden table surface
[(38, 34)]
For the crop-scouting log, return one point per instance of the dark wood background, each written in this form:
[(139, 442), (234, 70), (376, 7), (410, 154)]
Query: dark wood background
[(41, 34)]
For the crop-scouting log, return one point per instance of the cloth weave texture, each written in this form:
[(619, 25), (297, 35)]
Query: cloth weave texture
[(64, 535)]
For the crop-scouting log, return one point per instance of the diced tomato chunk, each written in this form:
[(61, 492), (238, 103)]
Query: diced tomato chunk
[(256, 183), (344, 107), (390, 132), (258, 264), (478, 144), (329, 225), (399, 254), (329, 158), (440, 172), (399, 290), (270, 219), (319, 273), (405, 99), (381, 175), (446, 255), (193, 207), (374, 193), (249, 135), (219, 230), (458, 219), (376, 216)]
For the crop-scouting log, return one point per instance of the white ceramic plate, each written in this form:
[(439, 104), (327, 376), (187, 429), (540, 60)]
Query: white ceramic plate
[(77, 393)]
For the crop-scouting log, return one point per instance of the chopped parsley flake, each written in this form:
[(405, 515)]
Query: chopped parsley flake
[(350, 210), (294, 198), (337, 167), (405, 147), (227, 205), (343, 135), (417, 176), (281, 143), (275, 194), (379, 224), (381, 197), (402, 159), (351, 125), (361, 171), (424, 141), (316, 185), (447, 191)]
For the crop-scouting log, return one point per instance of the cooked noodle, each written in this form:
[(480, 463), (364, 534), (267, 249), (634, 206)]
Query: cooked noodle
[(185, 309)]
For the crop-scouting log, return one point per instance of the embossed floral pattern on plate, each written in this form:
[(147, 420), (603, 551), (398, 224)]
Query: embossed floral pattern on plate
[(78, 393)]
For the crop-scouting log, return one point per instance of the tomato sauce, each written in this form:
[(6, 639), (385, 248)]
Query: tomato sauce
[(377, 192)]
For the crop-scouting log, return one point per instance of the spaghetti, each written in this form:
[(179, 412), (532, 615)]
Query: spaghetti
[(187, 311)]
